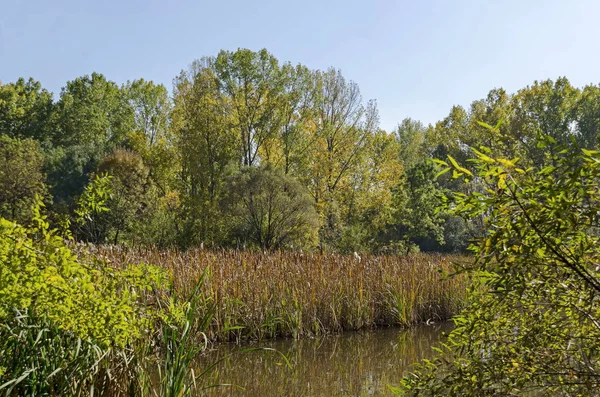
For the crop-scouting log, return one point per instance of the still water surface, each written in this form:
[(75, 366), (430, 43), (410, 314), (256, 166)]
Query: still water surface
[(349, 364)]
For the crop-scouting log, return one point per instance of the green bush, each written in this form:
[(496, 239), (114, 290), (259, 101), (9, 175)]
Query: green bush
[(270, 210), (532, 323), (40, 273), (60, 316)]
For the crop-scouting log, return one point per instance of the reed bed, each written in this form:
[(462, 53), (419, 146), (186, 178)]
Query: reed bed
[(258, 295)]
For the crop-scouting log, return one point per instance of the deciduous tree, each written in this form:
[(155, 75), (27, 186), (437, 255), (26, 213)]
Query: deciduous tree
[(270, 209), (21, 177), (531, 324)]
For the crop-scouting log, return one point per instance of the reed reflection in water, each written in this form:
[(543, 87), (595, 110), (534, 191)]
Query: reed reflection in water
[(348, 364)]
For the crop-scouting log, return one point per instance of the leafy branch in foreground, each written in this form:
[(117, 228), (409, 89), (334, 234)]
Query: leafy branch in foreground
[(532, 324), (74, 325), (60, 316)]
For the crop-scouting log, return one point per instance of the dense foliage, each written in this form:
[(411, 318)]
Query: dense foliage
[(173, 158), (60, 316), (72, 324), (250, 152), (41, 275), (532, 322)]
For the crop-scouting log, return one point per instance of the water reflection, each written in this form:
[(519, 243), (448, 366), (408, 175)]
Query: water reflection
[(350, 364)]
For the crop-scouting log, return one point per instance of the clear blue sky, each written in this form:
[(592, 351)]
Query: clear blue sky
[(417, 58)]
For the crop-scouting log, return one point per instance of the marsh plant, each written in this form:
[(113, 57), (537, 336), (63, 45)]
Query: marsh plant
[(258, 295), (183, 338), (76, 326)]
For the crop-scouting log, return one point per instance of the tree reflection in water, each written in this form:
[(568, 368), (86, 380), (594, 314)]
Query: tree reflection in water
[(349, 364)]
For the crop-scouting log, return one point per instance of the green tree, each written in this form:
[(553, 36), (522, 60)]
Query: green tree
[(90, 215), (152, 136), (531, 324), (342, 126), (270, 209), (587, 116), (207, 146), (130, 199), (369, 194), (91, 118), (93, 111), (25, 109), (411, 135), (21, 177), (151, 109), (252, 81), (295, 112), (416, 217), (448, 135)]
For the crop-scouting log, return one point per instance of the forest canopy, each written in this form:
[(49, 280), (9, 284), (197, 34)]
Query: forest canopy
[(249, 151)]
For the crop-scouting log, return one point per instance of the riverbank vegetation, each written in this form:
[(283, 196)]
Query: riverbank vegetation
[(250, 152), (531, 323), (262, 199), (287, 294), (80, 319)]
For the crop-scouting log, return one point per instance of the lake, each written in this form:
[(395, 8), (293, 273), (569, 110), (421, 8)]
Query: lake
[(348, 364)]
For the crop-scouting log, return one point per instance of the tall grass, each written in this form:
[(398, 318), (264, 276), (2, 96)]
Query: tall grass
[(46, 360), (182, 340), (224, 295), (263, 295)]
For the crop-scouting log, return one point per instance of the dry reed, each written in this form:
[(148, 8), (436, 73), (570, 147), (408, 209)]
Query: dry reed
[(265, 295)]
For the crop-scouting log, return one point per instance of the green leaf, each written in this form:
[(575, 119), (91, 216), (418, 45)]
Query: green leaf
[(442, 172), (483, 157), (440, 162), (485, 125), (458, 167), (590, 153)]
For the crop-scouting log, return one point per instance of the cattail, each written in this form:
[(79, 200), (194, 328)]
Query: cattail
[(308, 294)]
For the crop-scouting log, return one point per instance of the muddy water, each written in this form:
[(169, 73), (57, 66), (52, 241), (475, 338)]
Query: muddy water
[(349, 364)]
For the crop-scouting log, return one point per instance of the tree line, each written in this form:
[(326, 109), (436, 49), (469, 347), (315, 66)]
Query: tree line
[(248, 151)]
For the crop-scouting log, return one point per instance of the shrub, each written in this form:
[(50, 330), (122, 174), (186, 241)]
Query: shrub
[(69, 312), (531, 325)]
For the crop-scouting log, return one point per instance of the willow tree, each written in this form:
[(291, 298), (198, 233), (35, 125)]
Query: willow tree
[(269, 210), (531, 325)]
